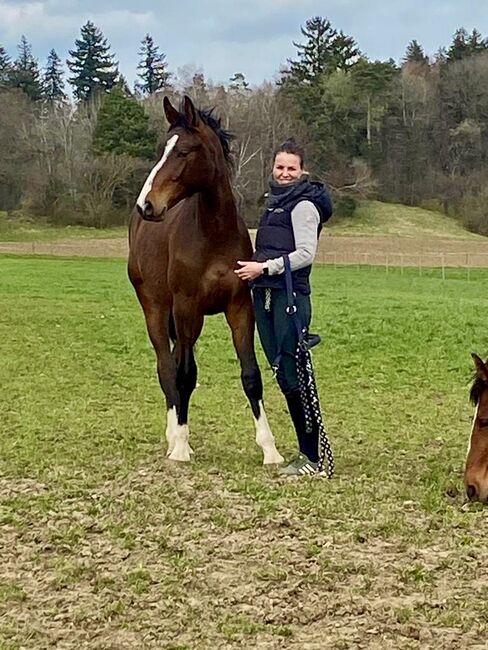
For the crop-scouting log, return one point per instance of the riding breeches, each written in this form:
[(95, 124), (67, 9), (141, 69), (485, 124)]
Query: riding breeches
[(277, 331)]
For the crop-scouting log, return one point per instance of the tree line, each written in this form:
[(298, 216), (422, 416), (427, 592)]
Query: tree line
[(412, 132)]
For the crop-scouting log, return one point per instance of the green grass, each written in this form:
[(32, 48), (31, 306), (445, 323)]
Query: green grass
[(21, 228), (377, 218), (104, 541)]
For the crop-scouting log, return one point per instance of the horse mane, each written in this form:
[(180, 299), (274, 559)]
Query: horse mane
[(215, 123), (477, 390)]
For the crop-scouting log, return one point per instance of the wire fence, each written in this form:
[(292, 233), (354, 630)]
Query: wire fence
[(401, 261)]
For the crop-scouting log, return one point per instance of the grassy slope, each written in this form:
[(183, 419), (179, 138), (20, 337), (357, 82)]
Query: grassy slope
[(18, 228), (129, 550), (371, 218), (376, 218)]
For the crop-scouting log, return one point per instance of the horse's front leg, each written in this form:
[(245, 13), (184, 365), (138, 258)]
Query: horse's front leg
[(240, 317), (157, 315), (188, 325)]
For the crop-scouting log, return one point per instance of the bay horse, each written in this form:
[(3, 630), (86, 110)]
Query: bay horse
[(476, 470), (185, 237)]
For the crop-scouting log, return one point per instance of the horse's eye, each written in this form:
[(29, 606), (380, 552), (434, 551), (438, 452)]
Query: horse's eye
[(182, 154), (483, 423)]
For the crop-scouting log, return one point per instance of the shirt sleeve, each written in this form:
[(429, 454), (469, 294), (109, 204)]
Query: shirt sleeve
[(305, 220)]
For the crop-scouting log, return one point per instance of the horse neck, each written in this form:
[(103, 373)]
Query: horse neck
[(216, 207)]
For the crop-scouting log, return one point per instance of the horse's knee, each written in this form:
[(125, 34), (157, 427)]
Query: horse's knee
[(253, 387), (252, 384)]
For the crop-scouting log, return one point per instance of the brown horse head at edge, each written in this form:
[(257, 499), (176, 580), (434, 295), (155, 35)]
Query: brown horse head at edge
[(476, 470)]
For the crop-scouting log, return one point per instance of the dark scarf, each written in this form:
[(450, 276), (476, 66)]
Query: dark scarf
[(279, 193)]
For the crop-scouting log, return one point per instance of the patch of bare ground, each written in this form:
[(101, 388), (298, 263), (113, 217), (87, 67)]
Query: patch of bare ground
[(374, 250), (166, 558)]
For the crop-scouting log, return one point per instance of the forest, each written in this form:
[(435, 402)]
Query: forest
[(77, 140)]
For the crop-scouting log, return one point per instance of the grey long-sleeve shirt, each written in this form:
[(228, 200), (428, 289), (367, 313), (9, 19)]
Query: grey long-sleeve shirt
[(305, 220)]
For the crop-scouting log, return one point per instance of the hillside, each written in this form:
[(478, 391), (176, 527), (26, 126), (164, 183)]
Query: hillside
[(376, 218)]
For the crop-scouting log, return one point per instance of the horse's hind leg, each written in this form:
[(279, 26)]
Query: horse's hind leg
[(241, 322)]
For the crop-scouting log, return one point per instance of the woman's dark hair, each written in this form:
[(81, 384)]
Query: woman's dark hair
[(291, 146)]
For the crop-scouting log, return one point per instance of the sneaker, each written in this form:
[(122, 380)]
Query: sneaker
[(301, 466)]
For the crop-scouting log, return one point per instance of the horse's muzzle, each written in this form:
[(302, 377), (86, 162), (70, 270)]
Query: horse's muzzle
[(148, 214)]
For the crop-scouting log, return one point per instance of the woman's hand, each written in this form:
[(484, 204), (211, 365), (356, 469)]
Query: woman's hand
[(249, 270)]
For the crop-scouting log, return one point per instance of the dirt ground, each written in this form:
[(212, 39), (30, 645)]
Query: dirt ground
[(377, 250), (90, 591)]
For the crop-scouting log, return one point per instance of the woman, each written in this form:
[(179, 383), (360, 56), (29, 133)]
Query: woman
[(290, 225)]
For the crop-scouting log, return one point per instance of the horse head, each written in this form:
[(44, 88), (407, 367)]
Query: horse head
[(194, 157), (476, 471)]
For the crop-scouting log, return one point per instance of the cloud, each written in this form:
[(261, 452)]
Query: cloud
[(222, 37)]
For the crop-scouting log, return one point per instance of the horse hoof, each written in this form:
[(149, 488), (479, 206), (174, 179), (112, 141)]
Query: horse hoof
[(180, 456), (273, 458)]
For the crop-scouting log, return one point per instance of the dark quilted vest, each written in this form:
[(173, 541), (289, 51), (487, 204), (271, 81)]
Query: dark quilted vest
[(275, 236)]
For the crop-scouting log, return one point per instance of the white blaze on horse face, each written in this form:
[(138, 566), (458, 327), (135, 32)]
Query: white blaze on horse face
[(265, 439), (472, 428), (149, 180)]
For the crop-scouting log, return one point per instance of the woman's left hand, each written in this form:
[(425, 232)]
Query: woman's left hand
[(249, 270)]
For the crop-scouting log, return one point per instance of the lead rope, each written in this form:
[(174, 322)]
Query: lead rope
[(306, 382), (267, 299), (311, 408)]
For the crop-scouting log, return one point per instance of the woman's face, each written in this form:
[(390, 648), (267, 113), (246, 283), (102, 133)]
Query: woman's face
[(286, 168)]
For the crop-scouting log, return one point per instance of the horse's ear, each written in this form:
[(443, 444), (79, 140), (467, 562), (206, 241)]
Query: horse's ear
[(190, 111), (481, 369), (170, 111)]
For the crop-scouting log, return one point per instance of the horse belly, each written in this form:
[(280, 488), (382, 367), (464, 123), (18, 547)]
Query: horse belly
[(218, 285)]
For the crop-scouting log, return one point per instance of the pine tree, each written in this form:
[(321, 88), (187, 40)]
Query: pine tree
[(53, 83), (323, 52), (345, 51), (415, 54), (153, 73), (460, 47), (5, 68), (314, 57), (477, 43), (93, 66), (464, 44), (25, 72), (123, 126)]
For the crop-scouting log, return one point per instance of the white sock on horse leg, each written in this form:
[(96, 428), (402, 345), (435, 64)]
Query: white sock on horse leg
[(265, 439), (171, 424), (181, 450)]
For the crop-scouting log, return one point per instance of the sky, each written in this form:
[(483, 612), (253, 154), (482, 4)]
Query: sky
[(222, 37)]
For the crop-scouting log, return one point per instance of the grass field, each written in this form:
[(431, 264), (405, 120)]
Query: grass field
[(107, 545)]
